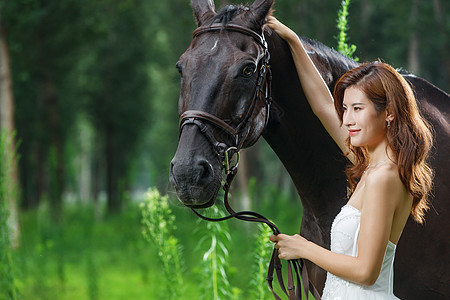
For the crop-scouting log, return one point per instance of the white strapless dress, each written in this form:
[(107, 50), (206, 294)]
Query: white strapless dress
[(344, 240)]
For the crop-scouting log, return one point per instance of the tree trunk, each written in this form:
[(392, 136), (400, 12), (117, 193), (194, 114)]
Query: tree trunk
[(112, 178), (97, 174), (85, 171), (7, 124), (440, 20), (56, 155), (38, 175), (413, 53), (242, 177)]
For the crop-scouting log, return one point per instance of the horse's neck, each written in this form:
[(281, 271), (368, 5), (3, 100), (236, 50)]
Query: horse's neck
[(309, 154), (330, 63)]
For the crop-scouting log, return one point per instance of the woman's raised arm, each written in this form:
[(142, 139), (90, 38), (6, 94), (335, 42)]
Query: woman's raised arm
[(315, 89)]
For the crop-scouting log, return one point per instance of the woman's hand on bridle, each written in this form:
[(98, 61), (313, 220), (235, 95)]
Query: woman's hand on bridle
[(290, 246)]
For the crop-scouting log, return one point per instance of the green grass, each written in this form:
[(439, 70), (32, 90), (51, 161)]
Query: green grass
[(110, 259)]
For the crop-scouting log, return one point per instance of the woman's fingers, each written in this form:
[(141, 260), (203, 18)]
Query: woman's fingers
[(278, 238), (273, 238)]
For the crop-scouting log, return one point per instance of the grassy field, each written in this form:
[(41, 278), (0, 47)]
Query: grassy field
[(108, 258)]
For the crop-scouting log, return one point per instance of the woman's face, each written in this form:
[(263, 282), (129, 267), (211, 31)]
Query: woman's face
[(365, 126)]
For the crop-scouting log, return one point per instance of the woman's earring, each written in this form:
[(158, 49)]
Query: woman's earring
[(388, 123)]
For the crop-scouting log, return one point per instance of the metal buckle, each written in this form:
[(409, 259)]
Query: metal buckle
[(228, 162)]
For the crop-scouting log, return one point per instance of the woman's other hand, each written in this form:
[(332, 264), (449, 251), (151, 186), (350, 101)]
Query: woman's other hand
[(282, 30)]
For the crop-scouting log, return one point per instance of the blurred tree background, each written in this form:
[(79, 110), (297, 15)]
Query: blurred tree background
[(95, 90), (90, 89)]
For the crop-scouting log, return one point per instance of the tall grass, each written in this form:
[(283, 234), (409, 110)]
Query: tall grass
[(158, 229), (109, 258), (92, 276), (8, 284), (263, 248), (103, 257), (91, 268), (214, 271)]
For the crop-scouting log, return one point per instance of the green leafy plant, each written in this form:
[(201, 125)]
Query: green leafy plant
[(263, 248), (342, 25), (8, 286), (214, 268), (158, 229)]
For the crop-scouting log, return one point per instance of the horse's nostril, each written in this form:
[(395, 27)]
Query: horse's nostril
[(206, 172)]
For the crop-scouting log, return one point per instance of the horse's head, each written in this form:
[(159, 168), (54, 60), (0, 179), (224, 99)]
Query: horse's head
[(222, 103)]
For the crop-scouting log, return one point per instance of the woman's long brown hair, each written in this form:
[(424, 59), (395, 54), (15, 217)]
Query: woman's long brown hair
[(409, 134)]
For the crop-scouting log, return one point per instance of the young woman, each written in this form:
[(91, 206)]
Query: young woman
[(375, 121)]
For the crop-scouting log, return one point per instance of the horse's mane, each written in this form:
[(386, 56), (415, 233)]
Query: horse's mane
[(227, 14), (337, 62)]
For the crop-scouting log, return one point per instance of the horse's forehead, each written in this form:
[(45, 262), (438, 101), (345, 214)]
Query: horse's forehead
[(225, 44), (213, 48)]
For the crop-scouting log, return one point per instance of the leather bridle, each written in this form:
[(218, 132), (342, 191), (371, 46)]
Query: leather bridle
[(239, 133), (226, 153)]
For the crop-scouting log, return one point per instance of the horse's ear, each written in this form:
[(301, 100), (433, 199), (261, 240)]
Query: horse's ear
[(203, 10), (260, 9)]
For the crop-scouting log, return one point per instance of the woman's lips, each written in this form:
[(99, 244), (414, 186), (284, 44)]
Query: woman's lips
[(353, 132)]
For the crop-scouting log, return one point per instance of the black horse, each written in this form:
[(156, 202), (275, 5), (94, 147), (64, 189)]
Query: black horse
[(219, 74)]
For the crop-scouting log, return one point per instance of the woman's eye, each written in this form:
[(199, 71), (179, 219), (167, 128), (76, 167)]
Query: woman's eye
[(248, 70)]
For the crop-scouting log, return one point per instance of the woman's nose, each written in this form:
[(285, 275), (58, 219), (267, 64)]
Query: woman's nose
[(348, 119)]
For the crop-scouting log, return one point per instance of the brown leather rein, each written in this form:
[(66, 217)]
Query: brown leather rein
[(226, 153)]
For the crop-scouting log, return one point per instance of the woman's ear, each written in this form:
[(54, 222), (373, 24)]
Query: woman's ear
[(389, 117)]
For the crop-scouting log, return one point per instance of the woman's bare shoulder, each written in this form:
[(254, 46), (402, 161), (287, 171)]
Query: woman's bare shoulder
[(386, 182), (384, 175)]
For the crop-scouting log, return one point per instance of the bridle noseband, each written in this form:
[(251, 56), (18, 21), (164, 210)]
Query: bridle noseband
[(226, 152)]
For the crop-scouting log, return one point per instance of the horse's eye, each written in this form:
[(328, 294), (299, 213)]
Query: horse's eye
[(248, 70), (180, 69)]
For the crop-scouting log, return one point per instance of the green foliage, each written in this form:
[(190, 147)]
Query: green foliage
[(109, 258), (158, 229), (169, 31), (117, 101), (342, 25), (8, 284), (214, 271), (103, 257), (263, 248), (162, 131), (113, 63), (44, 40), (8, 280)]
